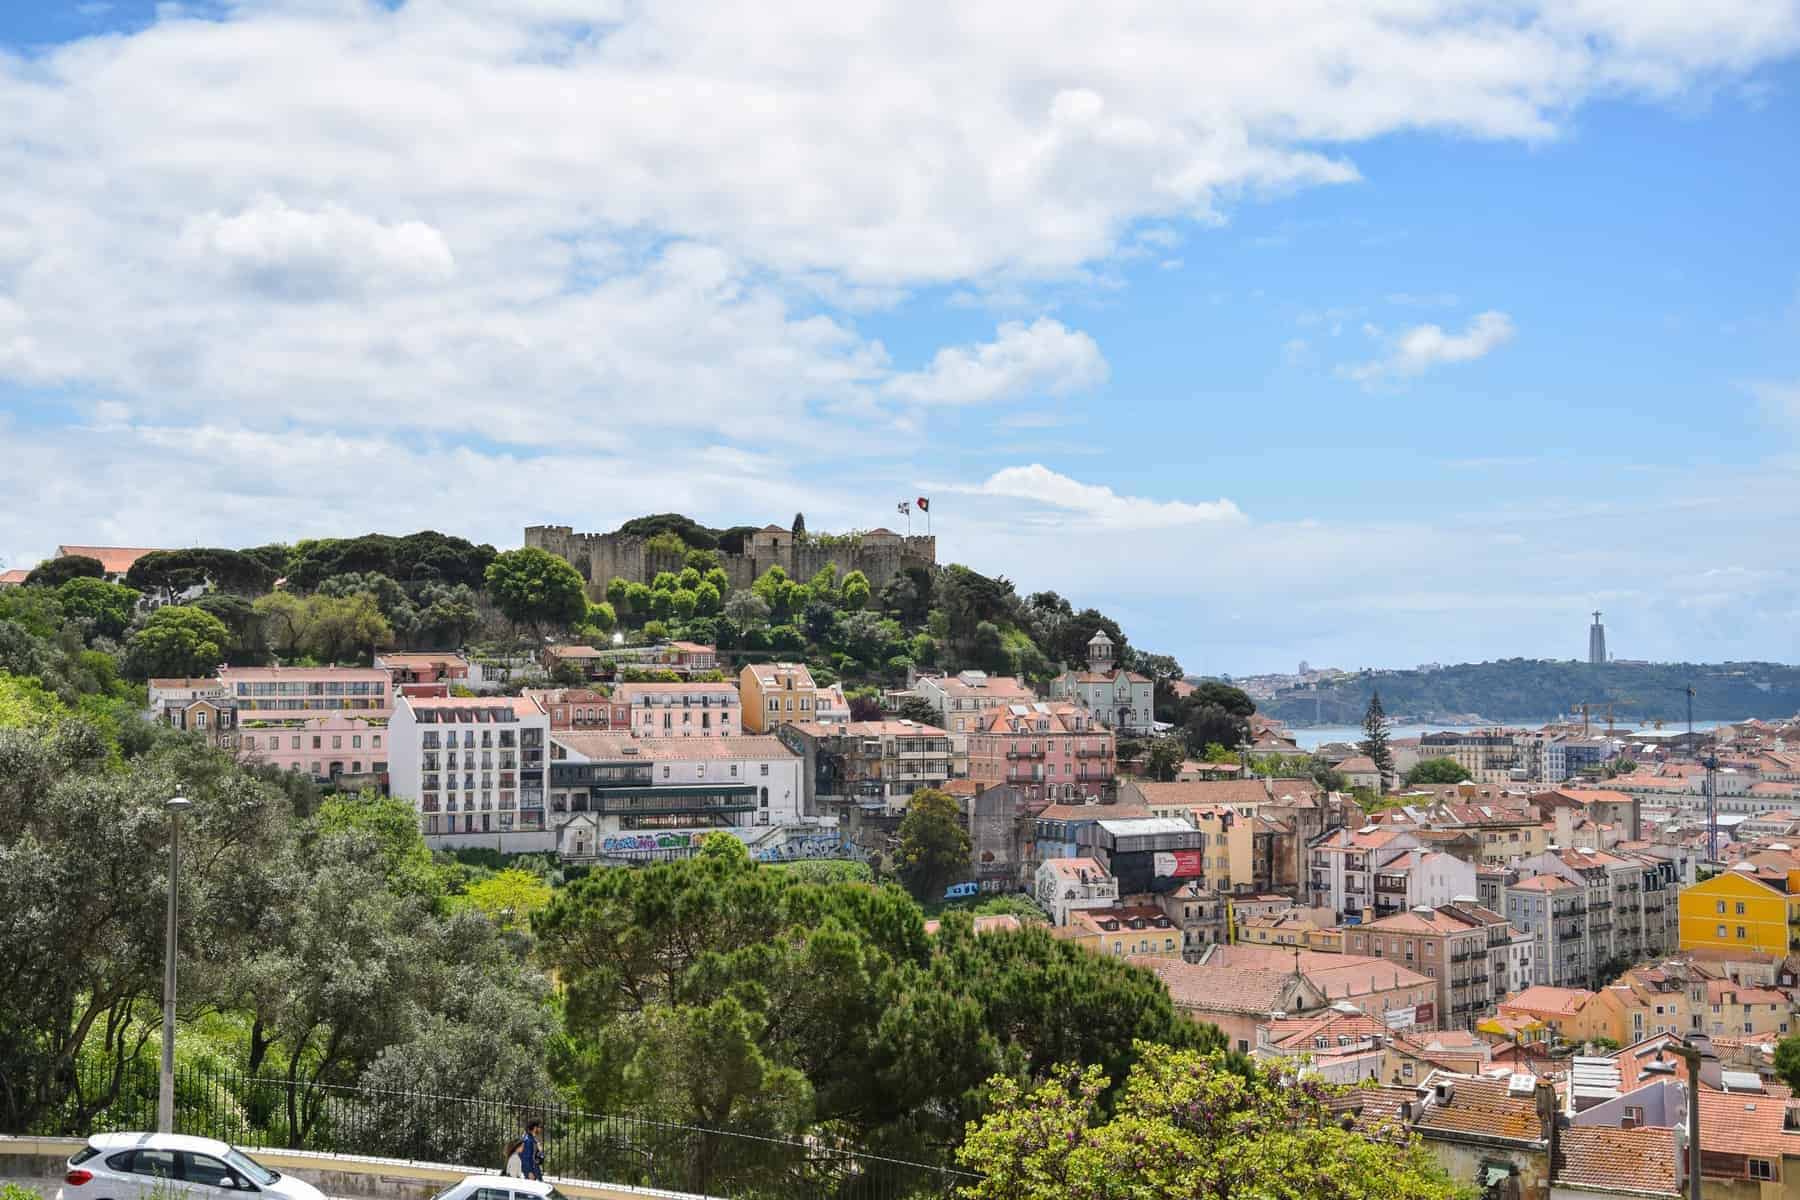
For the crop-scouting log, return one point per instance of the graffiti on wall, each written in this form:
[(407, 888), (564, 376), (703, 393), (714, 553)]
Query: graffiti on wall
[(829, 844), (646, 843)]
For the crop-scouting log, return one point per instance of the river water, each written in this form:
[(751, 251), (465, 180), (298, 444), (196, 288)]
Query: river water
[(1315, 736)]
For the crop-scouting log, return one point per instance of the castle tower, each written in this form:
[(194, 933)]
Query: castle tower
[(1596, 640), (1100, 653)]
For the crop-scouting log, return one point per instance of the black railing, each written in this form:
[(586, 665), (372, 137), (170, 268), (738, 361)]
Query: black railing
[(473, 1131)]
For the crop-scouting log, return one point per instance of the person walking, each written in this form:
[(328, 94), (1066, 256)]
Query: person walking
[(531, 1151), (515, 1166)]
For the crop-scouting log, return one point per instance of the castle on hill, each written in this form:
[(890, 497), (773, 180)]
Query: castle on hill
[(600, 557)]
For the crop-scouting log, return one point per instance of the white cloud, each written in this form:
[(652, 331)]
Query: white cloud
[(1103, 507), (1422, 347), (290, 252), (1041, 359)]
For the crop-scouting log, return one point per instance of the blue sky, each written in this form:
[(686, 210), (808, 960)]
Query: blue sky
[(1368, 338)]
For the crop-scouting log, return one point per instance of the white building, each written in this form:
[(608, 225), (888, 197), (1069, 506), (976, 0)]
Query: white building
[(1064, 885), (474, 769), (679, 710), (616, 797), (1119, 699)]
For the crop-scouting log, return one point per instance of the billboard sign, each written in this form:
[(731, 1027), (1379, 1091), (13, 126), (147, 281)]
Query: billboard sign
[(1177, 864)]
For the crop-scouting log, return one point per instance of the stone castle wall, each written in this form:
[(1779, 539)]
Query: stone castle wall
[(602, 556)]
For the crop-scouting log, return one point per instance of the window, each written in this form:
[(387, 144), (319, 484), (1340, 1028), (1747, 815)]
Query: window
[(665, 772), (296, 742), (1721, 931), (1761, 1168), (1740, 930), (1721, 907), (160, 1163), (1740, 908), (356, 741), (205, 1170), (765, 768)]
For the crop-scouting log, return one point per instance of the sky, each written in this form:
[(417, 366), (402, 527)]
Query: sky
[(1366, 335)]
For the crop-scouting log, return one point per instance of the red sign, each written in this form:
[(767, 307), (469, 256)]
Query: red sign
[(1177, 864), (1423, 1015)]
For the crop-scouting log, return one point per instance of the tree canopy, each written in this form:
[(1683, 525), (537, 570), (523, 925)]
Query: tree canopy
[(536, 588), (54, 572), (1187, 1124), (934, 844), (1435, 770)]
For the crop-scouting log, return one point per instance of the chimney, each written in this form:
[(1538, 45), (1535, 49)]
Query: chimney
[(1547, 1117), (1565, 826)]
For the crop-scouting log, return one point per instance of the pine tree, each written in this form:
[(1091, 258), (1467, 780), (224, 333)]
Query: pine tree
[(799, 526), (1375, 738)]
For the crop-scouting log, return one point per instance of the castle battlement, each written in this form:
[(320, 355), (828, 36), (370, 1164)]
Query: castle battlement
[(600, 557)]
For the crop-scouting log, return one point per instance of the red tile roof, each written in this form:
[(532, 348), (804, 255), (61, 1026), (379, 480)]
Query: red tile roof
[(114, 560), (1743, 1122), (1548, 1001), (1602, 1156), (1480, 1106)]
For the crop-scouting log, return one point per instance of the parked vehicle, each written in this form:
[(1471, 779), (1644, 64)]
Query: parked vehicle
[(172, 1166), (499, 1187)]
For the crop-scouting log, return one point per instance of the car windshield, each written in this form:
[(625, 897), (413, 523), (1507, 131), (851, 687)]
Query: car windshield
[(250, 1169)]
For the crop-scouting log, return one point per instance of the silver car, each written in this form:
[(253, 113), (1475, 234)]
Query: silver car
[(172, 1166)]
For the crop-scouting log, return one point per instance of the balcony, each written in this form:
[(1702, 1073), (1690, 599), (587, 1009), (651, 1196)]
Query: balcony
[(1024, 754), (1093, 776), (1462, 956), (1093, 753), (677, 801), (1478, 978)]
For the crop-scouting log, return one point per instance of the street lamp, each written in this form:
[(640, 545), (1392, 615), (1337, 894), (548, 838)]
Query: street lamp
[(165, 1099)]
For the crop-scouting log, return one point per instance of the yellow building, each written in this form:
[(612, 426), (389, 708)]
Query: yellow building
[(1680, 999), (775, 694), (1134, 934), (1228, 846), (1744, 908)]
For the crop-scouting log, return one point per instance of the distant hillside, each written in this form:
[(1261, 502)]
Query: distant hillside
[(1524, 689)]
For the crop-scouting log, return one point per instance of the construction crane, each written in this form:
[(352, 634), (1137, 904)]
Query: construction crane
[(1711, 763), (1589, 708)]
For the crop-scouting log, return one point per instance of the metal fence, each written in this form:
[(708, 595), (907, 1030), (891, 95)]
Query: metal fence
[(474, 1131)]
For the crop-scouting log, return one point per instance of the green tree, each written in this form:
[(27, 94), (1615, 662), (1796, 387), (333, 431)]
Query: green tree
[(536, 588), (707, 600), (106, 608), (683, 603), (934, 845), (1187, 1125), (177, 640), (618, 591), (285, 620), (703, 561), (344, 628), (1435, 770), (747, 610), (510, 897), (1216, 714), (54, 572), (1375, 737), (799, 527), (1165, 758), (602, 616), (637, 601), (917, 708), (664, 581), (853, 592), (1787, 1060)]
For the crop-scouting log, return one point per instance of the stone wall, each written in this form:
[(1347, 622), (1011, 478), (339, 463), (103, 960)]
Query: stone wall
[(602, 556)]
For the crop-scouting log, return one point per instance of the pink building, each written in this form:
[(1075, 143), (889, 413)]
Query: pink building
[(1050, 752), (679, 709), (329, 722), (327, 747)]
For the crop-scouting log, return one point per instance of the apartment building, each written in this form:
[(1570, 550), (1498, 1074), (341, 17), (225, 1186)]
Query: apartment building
[(1066, 885), (676, 710), (197, 705), (410, 667), (964, 699), (1488, 755), (1627, 898), (1050, 752), (579, 709), (1341, 864), (830, 706), (1567, 757), (1746, 908), (344, 749), (283, 692), (1135, 933), (775, 694), (882, 763), (1682, 998), (1553, 911), (474, 768), (1453, 945), (623, 798)]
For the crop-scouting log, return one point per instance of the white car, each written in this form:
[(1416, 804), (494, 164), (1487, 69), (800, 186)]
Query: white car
[(171, 1166), (499, 1187)]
